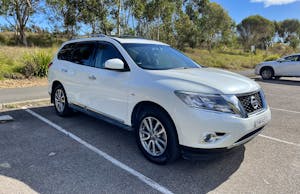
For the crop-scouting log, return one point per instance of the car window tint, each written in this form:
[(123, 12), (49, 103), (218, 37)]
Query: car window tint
[(66, 52), (82, 54), (292, 58), (105, 52)]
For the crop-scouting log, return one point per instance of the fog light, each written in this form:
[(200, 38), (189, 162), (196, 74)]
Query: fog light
[(211, 137)]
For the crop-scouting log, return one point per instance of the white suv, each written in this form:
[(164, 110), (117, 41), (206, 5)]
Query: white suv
[(175, 106), (288, 66)]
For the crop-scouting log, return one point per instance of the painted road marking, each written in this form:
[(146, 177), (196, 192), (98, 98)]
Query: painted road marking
[(116, 162), (279, 140), (284, 110)]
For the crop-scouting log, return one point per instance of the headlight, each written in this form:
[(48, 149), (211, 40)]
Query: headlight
[(213, 102)]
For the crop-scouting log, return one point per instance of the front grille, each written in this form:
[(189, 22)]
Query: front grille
[(251, 102)]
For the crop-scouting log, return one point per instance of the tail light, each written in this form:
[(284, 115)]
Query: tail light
[(49, 65)]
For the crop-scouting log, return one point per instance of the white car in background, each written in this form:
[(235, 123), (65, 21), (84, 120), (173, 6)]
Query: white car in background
[(175, 106), (288, 66)]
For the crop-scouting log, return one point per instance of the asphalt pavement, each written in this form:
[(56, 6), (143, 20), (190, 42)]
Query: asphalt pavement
[(8, 95), (36, 155)]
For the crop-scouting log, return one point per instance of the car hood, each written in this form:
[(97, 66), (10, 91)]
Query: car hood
[(206, 80)]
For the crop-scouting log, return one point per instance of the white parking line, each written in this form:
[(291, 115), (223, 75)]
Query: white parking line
[(279, 140), (116, 162), (284, 110)]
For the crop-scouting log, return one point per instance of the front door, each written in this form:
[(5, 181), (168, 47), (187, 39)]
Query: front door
[(109, 88)]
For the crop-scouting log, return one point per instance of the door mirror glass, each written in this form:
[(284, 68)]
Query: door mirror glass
[(114, 64)]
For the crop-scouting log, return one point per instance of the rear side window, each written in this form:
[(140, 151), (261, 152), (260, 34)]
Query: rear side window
[(66, 52), (105, 52), (83, 54)]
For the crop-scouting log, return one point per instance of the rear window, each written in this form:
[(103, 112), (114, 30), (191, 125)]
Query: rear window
[(83, 53), (66, 52)]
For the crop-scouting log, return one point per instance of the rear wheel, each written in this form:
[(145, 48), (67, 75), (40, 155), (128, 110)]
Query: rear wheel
[(267, 73), (61, 104), (156, 136)]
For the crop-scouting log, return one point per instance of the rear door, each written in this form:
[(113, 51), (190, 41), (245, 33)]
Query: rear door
[(64, 71), (82, 65)]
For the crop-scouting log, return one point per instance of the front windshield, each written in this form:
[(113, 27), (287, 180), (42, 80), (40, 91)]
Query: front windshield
[(158, 57)]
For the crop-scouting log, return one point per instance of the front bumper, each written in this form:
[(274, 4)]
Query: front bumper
[(192, 124)]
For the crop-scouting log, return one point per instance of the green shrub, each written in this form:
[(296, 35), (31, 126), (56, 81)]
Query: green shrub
[(36, 64)]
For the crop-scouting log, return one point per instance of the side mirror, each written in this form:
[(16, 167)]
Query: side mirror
[(114, 64)]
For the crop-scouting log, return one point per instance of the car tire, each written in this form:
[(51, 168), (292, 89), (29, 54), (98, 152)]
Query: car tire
[(60, 101), (267, 73), (159, 142)]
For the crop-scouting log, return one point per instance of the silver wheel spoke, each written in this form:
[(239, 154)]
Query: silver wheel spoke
[(153, 147), (162, 142), (146, 125), (159, 146)]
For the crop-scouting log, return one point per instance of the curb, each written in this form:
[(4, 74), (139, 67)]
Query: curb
[(18, 104)]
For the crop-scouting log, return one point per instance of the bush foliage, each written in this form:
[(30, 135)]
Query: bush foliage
[(36, 64)]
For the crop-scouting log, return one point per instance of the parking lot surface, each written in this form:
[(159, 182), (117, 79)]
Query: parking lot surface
[(36, 157)]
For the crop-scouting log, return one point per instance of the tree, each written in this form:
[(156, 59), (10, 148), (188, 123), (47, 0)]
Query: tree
[(289, 31), (17, 13), (215, 24), (255, 30), (95, 13)]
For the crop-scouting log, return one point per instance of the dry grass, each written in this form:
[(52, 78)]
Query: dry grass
[(21, 83)]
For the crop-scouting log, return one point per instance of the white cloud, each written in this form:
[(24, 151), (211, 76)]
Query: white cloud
[(274, 2)]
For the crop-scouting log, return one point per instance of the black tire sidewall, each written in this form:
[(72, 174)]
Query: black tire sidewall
[(172, 151), (67, 110)]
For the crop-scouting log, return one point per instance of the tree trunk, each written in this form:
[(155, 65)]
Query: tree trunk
[(119, 18), (23, 38)]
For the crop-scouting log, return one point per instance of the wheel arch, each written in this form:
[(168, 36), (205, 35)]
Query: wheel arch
[(266, 67), (143, 104), (54, 85)]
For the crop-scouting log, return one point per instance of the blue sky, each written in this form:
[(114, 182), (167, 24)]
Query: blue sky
[(270, 9)]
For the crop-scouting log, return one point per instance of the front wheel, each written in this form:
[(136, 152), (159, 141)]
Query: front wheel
[(157, 137)]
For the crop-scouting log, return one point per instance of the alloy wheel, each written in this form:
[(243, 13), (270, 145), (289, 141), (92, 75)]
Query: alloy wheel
[(153, 136)]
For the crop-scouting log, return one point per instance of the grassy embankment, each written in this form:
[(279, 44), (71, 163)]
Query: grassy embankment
[(13, 60)]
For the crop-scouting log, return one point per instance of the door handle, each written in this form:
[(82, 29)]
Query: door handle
[(92, 77), (64, 70)]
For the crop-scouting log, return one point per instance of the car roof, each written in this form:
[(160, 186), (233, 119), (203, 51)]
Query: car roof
[(121, 40)]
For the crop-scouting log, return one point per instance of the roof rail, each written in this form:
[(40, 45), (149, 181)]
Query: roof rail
[(127, 36), (88, 36)]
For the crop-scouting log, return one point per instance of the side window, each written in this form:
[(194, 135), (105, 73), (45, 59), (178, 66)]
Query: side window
[(66, 52), (83, 53), (105, 52), (298, 58), (292, 58)]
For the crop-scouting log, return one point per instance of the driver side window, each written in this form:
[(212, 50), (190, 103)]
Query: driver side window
[(105, 52)]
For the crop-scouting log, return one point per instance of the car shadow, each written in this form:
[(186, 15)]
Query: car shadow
[(283, 81), (199, 176)]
